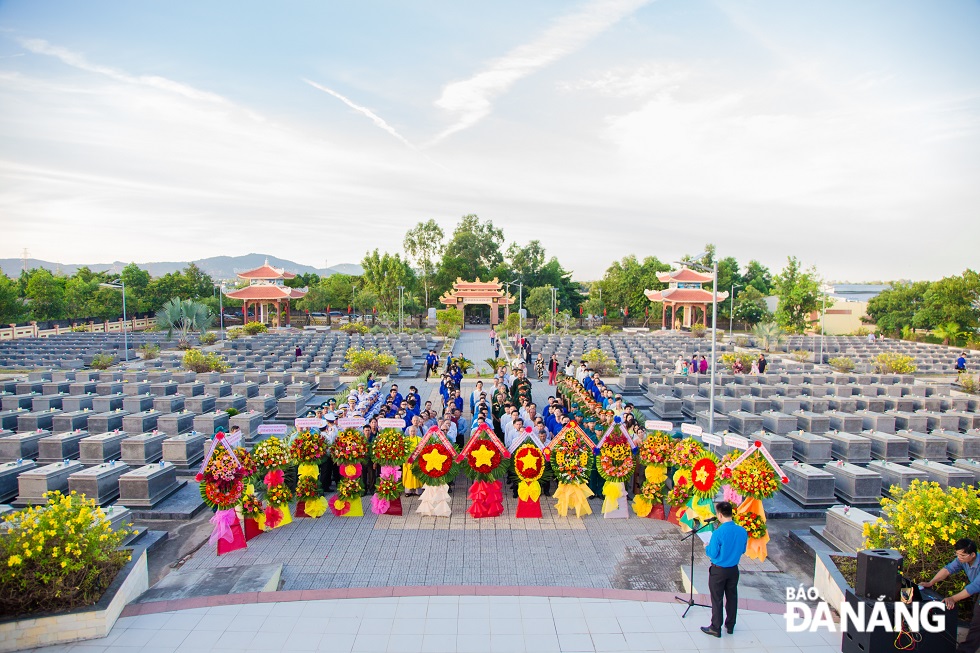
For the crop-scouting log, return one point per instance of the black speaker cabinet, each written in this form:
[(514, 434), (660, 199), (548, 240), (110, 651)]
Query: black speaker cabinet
[(879, 574), (881, 641)]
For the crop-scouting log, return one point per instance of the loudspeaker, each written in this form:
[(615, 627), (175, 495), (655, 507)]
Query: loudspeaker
[(879, 574), (882, 641)]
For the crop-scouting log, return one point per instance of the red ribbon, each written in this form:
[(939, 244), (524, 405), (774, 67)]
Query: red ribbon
[(487, 498)]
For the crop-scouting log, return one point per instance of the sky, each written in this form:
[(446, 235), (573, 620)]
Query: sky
[(844, 133)]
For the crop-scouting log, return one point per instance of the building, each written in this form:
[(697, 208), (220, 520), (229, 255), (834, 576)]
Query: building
[(685, 293), (266, 289)]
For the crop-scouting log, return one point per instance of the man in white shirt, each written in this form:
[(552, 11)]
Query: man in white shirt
[(475, 397)]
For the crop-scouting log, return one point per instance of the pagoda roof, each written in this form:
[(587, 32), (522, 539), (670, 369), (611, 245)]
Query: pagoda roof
[(266, 271), (267, 291), (683, 295), (685, 274), (476, 290)]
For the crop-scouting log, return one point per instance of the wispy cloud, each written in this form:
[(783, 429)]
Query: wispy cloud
[(470, 100), (375, 118)]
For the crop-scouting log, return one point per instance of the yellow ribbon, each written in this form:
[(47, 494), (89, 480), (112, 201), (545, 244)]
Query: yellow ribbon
[(529, 491), (641, 506), (356, 508), (656, 474), (309, 469), (575, 496), (260, 521), (612, 491), (316, 507), (287, 517)]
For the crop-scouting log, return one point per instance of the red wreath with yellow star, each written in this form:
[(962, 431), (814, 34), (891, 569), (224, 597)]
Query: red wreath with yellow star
[(705, 477), (529, 463)]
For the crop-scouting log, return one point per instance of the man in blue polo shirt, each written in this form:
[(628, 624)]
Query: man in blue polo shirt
[(726, 547), (967, 562)]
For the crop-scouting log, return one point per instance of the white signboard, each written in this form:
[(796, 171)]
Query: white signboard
[(309, 423), (691, 429), (350, 423), (736, 441), (391, 423), (658, 425), (272, 429), (711, 438)]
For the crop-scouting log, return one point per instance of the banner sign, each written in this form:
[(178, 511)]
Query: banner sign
[(272, 429), (691, 429), (391, 423), (309, 423), (658, 425), (711, 438), (736, 441), (351, 423)]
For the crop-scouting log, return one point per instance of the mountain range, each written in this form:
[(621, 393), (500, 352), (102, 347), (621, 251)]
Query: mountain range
[(219, 267)]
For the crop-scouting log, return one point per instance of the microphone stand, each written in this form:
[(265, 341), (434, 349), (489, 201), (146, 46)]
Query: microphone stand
[(690, 599)]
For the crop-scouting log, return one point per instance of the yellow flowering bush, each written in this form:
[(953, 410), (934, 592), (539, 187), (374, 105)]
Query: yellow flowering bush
[(58, 556), (922, 523)]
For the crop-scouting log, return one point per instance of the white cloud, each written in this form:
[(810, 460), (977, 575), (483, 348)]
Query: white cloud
[(470, 100), (638, 81), (377, 120)]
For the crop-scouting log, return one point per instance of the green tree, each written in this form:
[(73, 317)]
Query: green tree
[(305, 280), (198, 282), (473, 251), (758, 276), (894, 309), (12, 309), (727, 277), (538, 302), (423, 244), (527, 261), (79, 294), (798, 293), (382, 276), (185, 317), (46, 295), (751, 307), (137, 280), (625, 280), (950, 300)]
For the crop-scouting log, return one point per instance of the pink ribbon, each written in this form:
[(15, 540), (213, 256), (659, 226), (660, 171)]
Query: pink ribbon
[(391, 471), (379, 505), (222, 520)]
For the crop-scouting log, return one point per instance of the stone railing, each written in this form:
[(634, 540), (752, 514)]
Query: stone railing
[(31, 330)]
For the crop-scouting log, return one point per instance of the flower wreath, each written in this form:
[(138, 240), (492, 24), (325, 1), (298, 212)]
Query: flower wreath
[(706, 477), (390, 447), (350, 447), (522, 458), (686, 453), (615, 460), (656, 448), (308, 446), (571, 458), (754, 524), (754, 477), (483, 459), (271, 453), (434, 465)]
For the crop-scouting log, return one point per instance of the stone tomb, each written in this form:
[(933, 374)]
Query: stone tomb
[(846, 422), (871, 404), (664, 407), (34, 483), (74, 403), (960, 445), (848, 447), (101, 448), (249, 422), (265, 405), (46, 402), (142, 449), (100, 483), (60, 446), (136, 388), (105, 422), (925, 446), (970, 465), (105, 404), (810, 448), (176, 423), (210, 423), (141, 422), (744, 422), (34, 421), (779, 447), (169, 403), (147, 486), (785, 404), (909, 421), (17, 446), (946, 475), (871, 421), (845, 528), (887, 446), (813, 422), (77, 419), (855, 485), (8, 477), (779, 423), (809, 486), (138, 403), (965, 420), (895, 474), (185, 451), (8, 418), (231, 401), (192, 389)]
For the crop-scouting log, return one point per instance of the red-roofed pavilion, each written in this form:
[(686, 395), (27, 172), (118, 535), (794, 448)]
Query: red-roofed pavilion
[(490, 293), (266, 288), (684, 291)]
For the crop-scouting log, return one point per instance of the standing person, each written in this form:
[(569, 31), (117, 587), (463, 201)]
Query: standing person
[(553, 367), (411, 482), (539, 366), (762, 363), (493, 336), (496, 349), (329, 473), (965, 561), (703, 365), (431, 363), (755, 367), (371, 469), (679, 365), (299, 351), (726, 547)]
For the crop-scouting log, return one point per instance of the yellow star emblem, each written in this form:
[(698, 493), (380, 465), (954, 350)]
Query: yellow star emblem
[(702, 475), (483, 456), (434, 460), (529, 461)]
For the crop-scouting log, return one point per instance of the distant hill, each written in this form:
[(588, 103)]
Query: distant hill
[(219, 267)]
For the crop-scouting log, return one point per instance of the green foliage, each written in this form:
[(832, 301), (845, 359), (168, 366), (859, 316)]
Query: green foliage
[(254, 328), (799, 293), (424, 243), (149, 351), (767, 335), (512, 323), (750, 306), (950, 300), (449, 322), (800, 355), (12, 309), (842, 364), (625, 280), (597, 360), (538, 302), (359, 361), (969, 384), (383, 273), (893, 310), (892, 363), (231, 411), (757, 276), (57, 557), (605, 330), (46, 295), (234, 333), (354, 327), (728, 360), (463, 363), (209, 338), (197, 361), (698, 330), (495, 363), (102, 361), (185, 317), (473, 251), (950, 333)]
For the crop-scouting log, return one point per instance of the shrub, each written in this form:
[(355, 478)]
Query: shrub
[(197, 361), (698, 330), (862, 331), (209, 338), (923, 522), (800, 355), (79, 328), (234, 333), (605, 330), (57, 557), (495, 363), (184, 317), (231, 411), (597, 360), (254, 328), (728, 360), (842, 364), (742, 341), (463, 363), (767, 334), (102, 361), (360, 361), (969, 384), (354, 327), (891, 363), (149, 352), (449, 322)]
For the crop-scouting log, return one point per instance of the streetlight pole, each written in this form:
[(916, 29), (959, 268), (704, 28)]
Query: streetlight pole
[(731, 309), (714, 330), (554, 307), (221, 310), (401, 295), (122, 285)]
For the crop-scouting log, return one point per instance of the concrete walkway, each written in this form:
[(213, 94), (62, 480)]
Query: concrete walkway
[(441, 623)]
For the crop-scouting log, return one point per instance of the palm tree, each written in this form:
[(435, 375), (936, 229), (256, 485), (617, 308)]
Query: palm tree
[(949, 332), (767, 334), (184, 317)]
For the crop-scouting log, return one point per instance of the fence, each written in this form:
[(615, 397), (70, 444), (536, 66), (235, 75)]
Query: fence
[(31, 330)]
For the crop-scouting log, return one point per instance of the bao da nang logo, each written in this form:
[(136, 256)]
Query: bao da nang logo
[(863, 617)]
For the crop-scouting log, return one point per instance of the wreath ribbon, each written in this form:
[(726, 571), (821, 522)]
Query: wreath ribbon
[(573, 496), (222, 520), (529, 491), (612, 491)]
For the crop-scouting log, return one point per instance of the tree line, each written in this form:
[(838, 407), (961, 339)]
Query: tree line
[(949, 308)]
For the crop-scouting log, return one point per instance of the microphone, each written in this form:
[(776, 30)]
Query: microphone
[(708, 521)]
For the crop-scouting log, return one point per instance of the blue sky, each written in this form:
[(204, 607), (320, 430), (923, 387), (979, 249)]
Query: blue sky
[(845, 133)]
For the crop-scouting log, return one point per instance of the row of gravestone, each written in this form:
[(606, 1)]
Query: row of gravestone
[(929, 358), (74, 350), (632, 354)]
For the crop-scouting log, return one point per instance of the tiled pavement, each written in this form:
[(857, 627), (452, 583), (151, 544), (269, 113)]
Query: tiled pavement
[(444, 623)]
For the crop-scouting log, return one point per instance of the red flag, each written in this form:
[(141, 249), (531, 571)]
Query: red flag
[(556, 310), (579, 310), (375, 310), (348, 309), (626, 311), (328, 308), (646, 311), (603, 312)]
